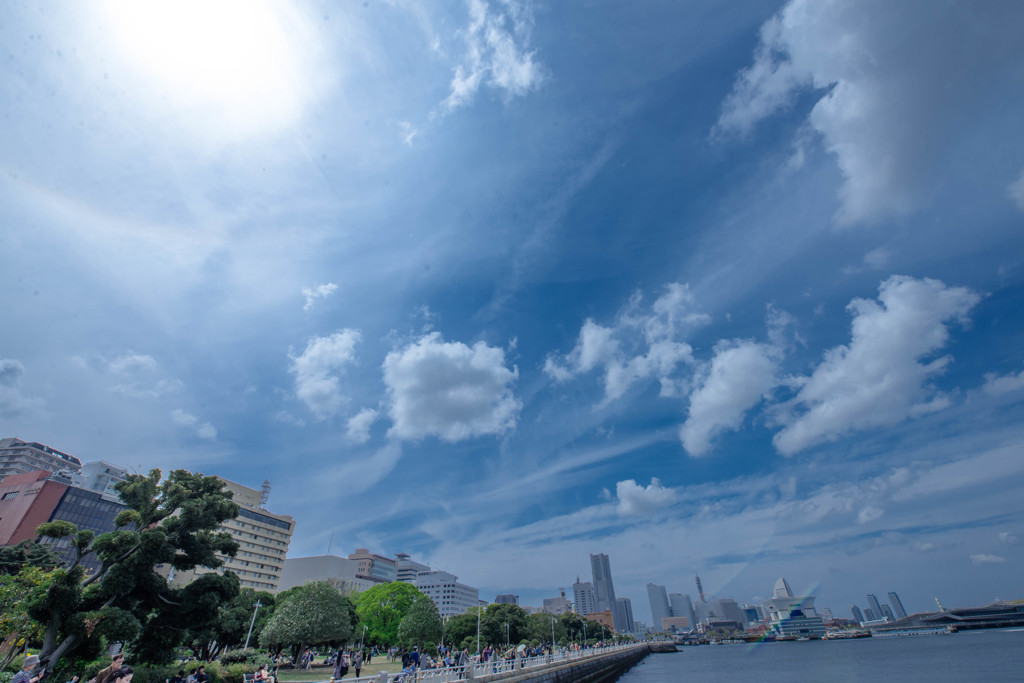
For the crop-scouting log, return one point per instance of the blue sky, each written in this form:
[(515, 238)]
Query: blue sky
[(722, 289)]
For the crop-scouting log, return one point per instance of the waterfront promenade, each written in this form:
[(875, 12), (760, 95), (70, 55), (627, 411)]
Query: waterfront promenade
[(561, 666)]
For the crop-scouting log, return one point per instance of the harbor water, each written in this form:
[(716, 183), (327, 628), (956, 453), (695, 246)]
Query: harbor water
[(994, 655)]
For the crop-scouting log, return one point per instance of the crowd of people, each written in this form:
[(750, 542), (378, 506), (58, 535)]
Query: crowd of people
[(117, 672)]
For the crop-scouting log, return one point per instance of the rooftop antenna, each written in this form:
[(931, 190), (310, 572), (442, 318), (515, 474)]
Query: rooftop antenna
[(264, 494)]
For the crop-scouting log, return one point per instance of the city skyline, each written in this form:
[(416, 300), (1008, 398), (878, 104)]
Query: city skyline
[(721, 288)]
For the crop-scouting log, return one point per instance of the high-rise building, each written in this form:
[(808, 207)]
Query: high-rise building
[(506, 599), (604, 589), (101, 476), (869, 614), (340, 572), (875, 607), (682, 606), (793, 615), (375, 567), (263, 539), (658, 598), (897, 606), (700, 588), (583, 596), (626, 607), (887, 612), (858, 616), (450, 596), (406, 570), (559, 605), (22, 457)]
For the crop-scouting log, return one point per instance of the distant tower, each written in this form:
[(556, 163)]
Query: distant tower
[(700, 589), (857, 614), (869, 614), (264, 494), (897, 606), (659, 604), (875, 607), (782, 589), (886, 612)]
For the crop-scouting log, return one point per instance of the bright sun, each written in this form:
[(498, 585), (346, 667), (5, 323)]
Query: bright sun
[(226, 58)]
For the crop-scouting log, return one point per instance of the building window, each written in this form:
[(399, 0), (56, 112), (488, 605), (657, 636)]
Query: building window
[(8, 496)]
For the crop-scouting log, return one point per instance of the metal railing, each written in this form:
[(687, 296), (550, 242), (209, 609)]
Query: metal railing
[(459, 673)]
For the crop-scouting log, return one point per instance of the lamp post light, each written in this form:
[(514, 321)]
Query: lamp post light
[(508, 638), (362, 638), (552, 635), (253, 622), (478, 648)]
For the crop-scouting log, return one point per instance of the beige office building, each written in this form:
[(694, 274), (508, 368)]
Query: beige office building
[(262, 537)]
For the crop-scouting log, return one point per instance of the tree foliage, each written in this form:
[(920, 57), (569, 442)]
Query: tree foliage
[(421, 624), (539, 627), (493, 624), (382, 608), (313, 614), (27, 554), (460, 627), (171, 522)]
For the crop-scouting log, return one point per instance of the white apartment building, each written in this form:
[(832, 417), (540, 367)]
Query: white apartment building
[(101, 476), (22, 457), (450, 596), (263, 538), (340, 572)]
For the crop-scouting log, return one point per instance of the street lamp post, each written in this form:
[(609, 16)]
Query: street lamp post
[(552, 635), (584, 635), (253, 622), (362, 638), (508, 638), (478, 648)]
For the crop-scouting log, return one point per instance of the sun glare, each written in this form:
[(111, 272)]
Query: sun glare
[(232, 59)]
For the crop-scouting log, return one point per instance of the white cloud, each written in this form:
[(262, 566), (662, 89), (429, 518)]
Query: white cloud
[(203, 430), (879, 379), (869, 514), (13, 402), (319, 292), (895, 80), (1016, 191), (138, 375), (449, 390), (1003, 384), (359, 425), (1008, 538), (984, 558), (657, 329), (735, 380), (497, 53), (635, 499), (316, 371)]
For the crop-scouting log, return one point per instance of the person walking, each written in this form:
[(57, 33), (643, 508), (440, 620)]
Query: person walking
[(106, 674), (357, 662)]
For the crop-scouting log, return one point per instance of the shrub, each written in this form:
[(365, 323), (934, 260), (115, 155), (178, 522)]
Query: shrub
[(6, 676), (249, 656)]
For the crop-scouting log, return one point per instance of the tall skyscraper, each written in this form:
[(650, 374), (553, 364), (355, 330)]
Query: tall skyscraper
[(886, 612), (869, 614), (700, 588), (659, 604), (858, 616), (583, 596), (626, 606), (875, 607), (604, 589), (682, 606), (897, 606)]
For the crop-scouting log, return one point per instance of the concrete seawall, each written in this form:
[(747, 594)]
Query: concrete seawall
[(597, 669)]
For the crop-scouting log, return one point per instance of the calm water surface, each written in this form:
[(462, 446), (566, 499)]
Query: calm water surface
[(968, 656)]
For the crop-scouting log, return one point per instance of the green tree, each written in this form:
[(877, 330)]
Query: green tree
[(27, 554), (493, 625), (421, 624), (16, 592), (460, 627), (382, 609), (171, 522), (313, 614), (539, 627)]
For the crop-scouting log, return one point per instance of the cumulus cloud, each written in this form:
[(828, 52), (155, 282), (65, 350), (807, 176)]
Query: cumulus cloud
[(1008, 538), (203, 430), (138, 375), (1016, 191), (13, 402), (635, 499), (893, 79), (735, 380), (359, 425), (880, 378), (316, 371), (497, 53), (449, 390), (996, 385), (319, 292), (984, 558), (642, 344)]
